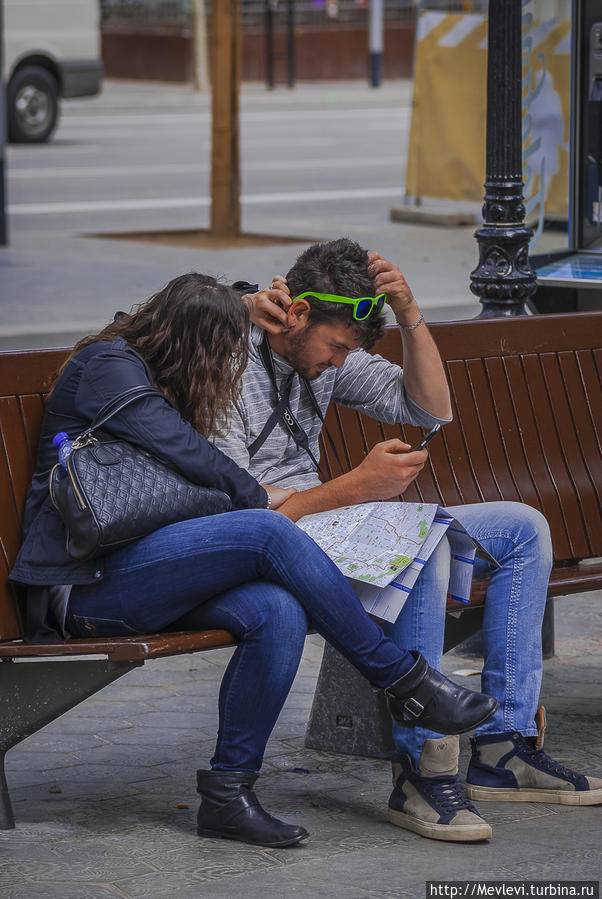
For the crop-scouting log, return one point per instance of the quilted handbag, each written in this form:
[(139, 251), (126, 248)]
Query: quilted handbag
[(113, 493)]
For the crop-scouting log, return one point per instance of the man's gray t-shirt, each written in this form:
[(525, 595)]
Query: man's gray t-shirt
[(364, 382)]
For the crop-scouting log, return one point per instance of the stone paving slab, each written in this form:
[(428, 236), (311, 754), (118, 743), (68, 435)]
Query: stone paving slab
[(105, 803)]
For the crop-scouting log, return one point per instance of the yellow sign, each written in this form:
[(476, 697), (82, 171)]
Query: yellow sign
[(446, 155)]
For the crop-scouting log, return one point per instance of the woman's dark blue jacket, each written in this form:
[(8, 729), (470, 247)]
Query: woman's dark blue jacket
[(95, 375)]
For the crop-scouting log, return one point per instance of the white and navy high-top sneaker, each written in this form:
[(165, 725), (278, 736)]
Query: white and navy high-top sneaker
[(513, 768), (431, 801)]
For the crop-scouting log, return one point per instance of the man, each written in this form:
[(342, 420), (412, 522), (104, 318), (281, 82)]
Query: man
[(312, 352)]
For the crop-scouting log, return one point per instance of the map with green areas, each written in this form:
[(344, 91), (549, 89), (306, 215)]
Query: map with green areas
[(372, 542)]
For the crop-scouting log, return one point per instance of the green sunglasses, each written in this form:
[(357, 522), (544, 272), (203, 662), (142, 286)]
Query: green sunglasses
[(363, 305)]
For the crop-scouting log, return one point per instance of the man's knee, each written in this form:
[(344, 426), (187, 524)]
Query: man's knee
[(531, 527)]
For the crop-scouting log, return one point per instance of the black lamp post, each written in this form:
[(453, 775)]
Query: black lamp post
[(503, 279)]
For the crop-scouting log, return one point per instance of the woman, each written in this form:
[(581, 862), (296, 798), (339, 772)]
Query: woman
[(250, 571)]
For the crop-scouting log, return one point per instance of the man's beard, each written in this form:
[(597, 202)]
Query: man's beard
[(294, 355)]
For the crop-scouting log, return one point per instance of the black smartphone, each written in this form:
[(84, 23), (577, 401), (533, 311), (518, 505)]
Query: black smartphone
[(426, 439)]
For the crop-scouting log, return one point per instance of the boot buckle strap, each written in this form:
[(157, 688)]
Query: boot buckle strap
[(413, 707)]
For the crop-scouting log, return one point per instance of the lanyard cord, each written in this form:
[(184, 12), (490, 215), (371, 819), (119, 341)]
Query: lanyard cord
[(283, 412)]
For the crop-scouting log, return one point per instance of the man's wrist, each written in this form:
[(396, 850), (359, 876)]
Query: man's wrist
[(353, 486), (406, 315)]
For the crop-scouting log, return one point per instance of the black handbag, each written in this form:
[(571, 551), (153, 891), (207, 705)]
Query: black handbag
[(113, 493)]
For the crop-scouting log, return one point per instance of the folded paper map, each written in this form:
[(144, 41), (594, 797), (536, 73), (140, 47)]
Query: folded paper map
[(383, 546)]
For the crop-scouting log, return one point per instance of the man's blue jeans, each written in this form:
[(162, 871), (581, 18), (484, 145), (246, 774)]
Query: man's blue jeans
[(518, 537), (257, 575)]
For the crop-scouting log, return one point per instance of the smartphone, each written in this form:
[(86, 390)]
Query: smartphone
[(426, 439)]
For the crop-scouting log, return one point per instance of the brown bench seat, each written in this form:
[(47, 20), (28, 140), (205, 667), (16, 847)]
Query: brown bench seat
[(122, 649)]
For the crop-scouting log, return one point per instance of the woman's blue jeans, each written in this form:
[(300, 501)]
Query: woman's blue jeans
[(518, 537), (257, 575)]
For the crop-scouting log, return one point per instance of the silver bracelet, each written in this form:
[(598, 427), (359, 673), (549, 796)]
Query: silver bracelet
[(415, 325)]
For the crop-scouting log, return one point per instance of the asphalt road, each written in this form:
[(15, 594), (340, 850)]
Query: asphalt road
[(139, 157), (317, 162)]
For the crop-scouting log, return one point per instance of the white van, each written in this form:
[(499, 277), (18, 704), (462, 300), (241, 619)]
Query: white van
[(51, 50)]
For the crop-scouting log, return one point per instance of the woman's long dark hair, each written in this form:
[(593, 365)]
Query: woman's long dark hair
[(193, 337)]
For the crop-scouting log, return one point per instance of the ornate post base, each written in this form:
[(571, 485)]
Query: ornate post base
[(503, 279)]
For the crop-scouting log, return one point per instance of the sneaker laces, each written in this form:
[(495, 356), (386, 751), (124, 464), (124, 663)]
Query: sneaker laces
[(527, 748), (447, 793)]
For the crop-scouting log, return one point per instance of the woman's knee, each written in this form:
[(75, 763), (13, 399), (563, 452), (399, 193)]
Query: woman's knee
[(276, 614), (270, 521)]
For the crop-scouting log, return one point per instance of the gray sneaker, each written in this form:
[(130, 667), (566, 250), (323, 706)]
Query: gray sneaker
[(513, 768), (431, 801)]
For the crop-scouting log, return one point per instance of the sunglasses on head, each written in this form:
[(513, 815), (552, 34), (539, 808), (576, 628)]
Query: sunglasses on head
[(362, 306)]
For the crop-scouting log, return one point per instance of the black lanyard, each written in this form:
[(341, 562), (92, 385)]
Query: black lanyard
[(282, 411)]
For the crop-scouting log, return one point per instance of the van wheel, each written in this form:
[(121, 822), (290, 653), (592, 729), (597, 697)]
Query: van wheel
[(32, 105)]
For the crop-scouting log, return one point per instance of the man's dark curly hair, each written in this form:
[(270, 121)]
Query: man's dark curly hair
[(339, 267)]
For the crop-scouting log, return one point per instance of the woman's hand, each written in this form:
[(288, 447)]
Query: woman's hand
[(267, 308), (278, 495)]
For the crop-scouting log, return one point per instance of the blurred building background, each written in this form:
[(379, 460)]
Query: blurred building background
[(441, 44), (154, 38)]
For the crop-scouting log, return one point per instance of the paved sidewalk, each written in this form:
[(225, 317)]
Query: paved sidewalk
[(105, 797)]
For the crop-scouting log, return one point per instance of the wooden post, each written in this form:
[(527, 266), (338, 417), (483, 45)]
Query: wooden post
[(199, 25), (226, 45)]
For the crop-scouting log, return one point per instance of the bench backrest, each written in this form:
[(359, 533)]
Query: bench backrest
[(527, 421), (24, 380)]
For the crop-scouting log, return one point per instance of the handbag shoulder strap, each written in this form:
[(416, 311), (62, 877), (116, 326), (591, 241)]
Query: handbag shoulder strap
[(119, 402)]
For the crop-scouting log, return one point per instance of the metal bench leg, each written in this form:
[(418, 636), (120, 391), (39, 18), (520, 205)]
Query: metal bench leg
[(33, 693), (547, 631)]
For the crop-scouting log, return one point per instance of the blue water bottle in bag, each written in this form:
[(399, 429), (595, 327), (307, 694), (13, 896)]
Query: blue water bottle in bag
[(63, 445)]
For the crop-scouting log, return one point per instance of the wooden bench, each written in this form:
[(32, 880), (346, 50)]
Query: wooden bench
[(527, 406)]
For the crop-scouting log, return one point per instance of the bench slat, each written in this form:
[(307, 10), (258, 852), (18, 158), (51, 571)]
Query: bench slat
[(564, 581), (123, 649), (32, 411), (29, 371), (16, 454), (581, 494)]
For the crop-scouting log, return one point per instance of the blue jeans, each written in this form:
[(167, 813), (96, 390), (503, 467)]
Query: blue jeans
[(518, 537), (257, 575)]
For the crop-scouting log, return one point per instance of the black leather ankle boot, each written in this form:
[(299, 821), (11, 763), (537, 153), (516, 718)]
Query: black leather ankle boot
[(231, 810), (426, 698)]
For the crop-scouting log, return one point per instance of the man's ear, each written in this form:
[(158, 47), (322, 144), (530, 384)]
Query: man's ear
[(299, 314)]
